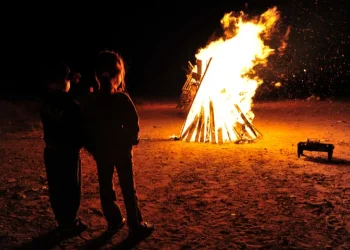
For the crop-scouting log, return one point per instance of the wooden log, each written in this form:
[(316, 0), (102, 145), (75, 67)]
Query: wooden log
[(212, 122), (199, 67), (207, 130), (201, 139), (220, 138), (190, 65), (192, 129), (228, 133), (247, 123), (200, 124), (196, 76), (205, 71), (189, 128), (237, 134)]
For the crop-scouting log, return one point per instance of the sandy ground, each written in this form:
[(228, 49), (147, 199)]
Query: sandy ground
[(199, 196)]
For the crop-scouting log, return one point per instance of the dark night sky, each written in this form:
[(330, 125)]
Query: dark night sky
[(157, 39)]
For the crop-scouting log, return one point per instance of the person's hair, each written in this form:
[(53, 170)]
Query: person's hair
[(53, 73), (108, 65), (57, 71)]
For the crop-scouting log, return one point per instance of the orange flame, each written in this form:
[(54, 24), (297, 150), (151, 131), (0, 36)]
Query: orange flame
[(221, 109)]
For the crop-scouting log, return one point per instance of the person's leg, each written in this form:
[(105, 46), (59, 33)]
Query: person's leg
[(127, 184), (108, 198), (59, 183), (54, 181), (137, 227), (64, 180), (73, 184)]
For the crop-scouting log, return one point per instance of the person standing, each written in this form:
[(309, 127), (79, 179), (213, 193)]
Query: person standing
[(112, 126), (62, 127)]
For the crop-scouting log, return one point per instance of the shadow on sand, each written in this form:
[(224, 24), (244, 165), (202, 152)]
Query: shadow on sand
[(333, 161), (104, 238), (51, 239), (45, 241)]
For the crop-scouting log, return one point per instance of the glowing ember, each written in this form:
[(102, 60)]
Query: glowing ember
[(221, 110)]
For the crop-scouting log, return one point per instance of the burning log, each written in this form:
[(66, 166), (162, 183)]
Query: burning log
[(200, 126), (254, 130), (207, 130), (228, 134), (187, 134), (212, 122), (220, 138)]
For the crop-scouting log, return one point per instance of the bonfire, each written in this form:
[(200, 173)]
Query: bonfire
[(221, 110)]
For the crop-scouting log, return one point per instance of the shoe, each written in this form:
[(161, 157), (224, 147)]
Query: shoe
[(115, 227), (141, 231), (72, 229)]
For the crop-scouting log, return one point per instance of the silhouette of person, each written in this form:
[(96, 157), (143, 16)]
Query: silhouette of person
[(62, 126), (112, 126)]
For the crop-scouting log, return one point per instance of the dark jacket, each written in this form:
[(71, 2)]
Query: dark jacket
[(112, 124), (61, 117)]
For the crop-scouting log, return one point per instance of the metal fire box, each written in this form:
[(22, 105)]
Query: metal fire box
[(315, 145)]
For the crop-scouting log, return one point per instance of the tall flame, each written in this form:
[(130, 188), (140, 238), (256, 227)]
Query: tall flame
[(221, 108)]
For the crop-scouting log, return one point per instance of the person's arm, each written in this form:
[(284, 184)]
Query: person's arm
[(77, 125), (88, 131), (130, 120)]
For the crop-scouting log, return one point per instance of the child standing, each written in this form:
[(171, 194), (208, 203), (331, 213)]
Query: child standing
[(62, 127), (113, 126)]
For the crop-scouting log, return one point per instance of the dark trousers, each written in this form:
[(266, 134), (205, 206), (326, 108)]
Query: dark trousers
[(124, 167), (63, 170)]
